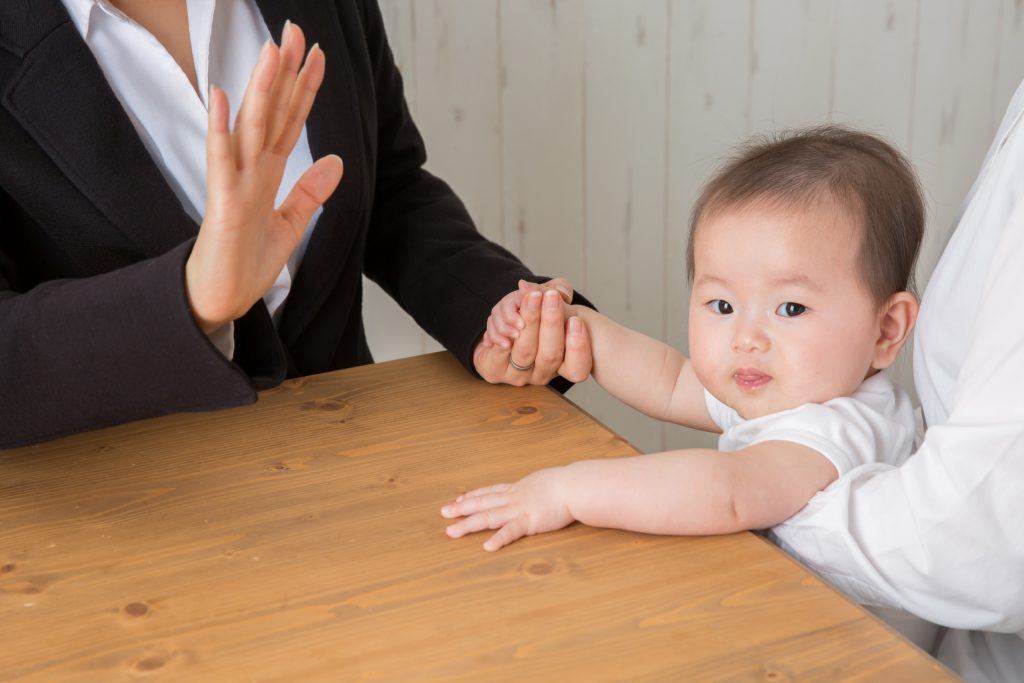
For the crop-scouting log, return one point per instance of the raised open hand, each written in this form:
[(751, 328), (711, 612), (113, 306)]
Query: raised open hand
[(245, 240)]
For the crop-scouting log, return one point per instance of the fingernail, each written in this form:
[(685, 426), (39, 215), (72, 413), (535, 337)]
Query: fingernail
[(287, 25), (265, 50), (520, 324), (533, 301), (316, 46), (574, 326), (444, 511), (551, 299)]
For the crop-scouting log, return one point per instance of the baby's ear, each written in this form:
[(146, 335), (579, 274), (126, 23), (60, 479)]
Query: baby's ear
[(895, 321)]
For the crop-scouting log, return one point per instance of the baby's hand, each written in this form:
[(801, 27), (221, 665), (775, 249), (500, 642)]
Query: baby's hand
[(505, 322), (533, 505)]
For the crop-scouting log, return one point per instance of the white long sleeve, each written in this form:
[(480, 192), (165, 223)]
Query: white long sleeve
[(943, 536)]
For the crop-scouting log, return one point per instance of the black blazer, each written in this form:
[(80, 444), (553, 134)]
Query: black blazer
[(94, 325)]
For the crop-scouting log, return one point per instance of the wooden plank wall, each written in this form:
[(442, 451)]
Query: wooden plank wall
[(579, 132)]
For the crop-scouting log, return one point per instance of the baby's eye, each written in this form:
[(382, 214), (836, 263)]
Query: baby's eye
[(790, 309), (720, 306)]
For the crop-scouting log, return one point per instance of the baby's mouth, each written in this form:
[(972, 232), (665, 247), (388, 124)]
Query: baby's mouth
[(750, 379)]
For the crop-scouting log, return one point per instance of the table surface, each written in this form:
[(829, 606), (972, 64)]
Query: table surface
[(299, 539)]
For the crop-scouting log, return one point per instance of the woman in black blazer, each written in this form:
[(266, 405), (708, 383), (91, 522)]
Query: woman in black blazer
[(105, 290)]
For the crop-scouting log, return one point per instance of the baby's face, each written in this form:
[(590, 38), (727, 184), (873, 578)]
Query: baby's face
[(779, 315)]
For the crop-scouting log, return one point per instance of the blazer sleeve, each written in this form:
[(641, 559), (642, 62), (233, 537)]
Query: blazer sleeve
[(79, 354), (423, 248)]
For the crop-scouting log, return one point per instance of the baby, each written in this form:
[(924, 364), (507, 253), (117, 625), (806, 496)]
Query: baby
[(801, 256)]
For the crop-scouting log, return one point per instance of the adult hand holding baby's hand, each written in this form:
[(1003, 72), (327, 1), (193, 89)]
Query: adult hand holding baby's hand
[(508, 317), (531, 336), (533, 505)]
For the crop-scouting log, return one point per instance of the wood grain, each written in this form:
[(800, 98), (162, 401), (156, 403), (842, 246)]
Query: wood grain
[(299, 539)]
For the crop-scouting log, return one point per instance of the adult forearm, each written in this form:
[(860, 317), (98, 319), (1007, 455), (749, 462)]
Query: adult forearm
[(913, 538), (82, 354)]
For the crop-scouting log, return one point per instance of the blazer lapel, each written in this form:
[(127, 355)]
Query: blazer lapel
[(334, 126), (62, 99)]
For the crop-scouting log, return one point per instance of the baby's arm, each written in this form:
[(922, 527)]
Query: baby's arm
[(684, 492), (642, 372), (645, 373)]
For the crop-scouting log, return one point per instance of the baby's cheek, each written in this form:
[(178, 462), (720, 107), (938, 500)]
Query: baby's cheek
[(821, 378), (703, 347), (705, 366)]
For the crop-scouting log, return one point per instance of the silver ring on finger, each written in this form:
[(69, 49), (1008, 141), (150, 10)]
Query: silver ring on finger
[(521, 368)]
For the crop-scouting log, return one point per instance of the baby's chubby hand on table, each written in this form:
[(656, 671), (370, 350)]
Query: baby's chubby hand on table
[(533, 505)]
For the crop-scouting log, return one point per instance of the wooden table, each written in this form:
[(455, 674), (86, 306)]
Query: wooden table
[(300, 539)]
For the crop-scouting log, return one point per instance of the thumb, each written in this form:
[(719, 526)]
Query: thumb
[(315, 186), (579, 357)]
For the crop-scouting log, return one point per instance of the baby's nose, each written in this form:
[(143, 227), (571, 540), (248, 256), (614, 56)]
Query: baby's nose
[(749, 338)]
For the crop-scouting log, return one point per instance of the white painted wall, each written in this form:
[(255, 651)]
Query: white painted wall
[(579, 132)]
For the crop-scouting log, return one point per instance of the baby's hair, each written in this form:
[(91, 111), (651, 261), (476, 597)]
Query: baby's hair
[(859, 172)]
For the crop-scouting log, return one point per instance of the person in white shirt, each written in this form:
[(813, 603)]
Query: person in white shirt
[(801, 253), (940, 537)]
